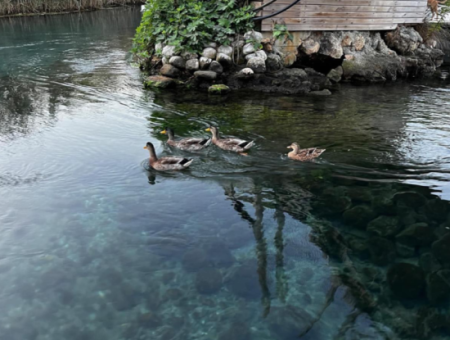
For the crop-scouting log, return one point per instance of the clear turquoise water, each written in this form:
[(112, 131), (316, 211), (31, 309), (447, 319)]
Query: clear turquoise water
[(95, 246)]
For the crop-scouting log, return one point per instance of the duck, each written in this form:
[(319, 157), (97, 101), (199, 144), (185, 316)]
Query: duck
[(186, 144), (229, 144), (303, 154), (166, 163)]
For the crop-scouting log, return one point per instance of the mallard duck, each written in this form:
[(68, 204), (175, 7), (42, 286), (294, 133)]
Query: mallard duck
[(303, 154), (187, 144), (166, 163), (230, 144)]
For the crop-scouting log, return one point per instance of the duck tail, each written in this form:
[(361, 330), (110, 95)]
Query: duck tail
[(249, 145), (185, 165), (208, 142)]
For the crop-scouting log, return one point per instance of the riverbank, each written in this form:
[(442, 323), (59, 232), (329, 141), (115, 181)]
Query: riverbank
[(9, 8)]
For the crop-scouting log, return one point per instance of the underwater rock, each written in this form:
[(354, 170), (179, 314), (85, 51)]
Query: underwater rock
[(441, 249), (429, 320), (360, 194), (236, 331), (244, 282), (335, 200), (359, 216), (410, 199), (429, 263), (382, 251), (173, 294), (362, 297), (383, 204), (195, 259), (208, 281), (336, 74), (358, 247), (149, 320), (305, 275), (236, 236), (419, 234), (160, 82), (169, 71), (406, 280), (289, 322), (404, 250), (167, 277), (437, 209), (219, 254), (324, 92), (124, 298), (384, 226), (438, 287), (218, 89)]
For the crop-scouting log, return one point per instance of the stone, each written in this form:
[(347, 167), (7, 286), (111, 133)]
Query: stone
[(410, 199), (246, 73), (209, 53), (258, 65), (419, 234), (208, 75), (178, 62), (173, 294), (289, 322), (160, 82), (429, 263), (384, 226), (168, 51), (359, 216), (441, 249), (170, 71), (437, 209), (224, 59), (227, 50), (382, 251), (324, 92), (261, 54), (403, 40), (267, 45), (438, 287), (218, 252), (253, 36), (208, 281), (336, 74), (330, 45), (373, 68), (359, 42), (189, 55), (244, 281), (212, 44), (249, 49), (195, 259), (216, 67), (164, 60), (274, 62), (149, 320), (289, 59), (404, 250), (346, 41), (204, 63), (218, 89), (237, 331), (310, 46), (192, 65), (406, 280)]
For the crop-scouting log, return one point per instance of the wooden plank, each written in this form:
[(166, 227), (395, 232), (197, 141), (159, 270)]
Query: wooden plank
[(347, 15), (293, 28), (354, 3), (352, 21), (331, 8)]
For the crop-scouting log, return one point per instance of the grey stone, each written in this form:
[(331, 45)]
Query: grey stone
[(404, 40), (258, 65), (406, 280), (216, 67), (418, 234), (441, 249), (211, 44), (189, 55), (246, 73), (165, 60), (384, 226), (438, 287), (160, 82), (261, 54), (168, 51), (310, 46), (224, 59), (250, 56), (170, 71), (253, 36), (178, 62), (274, 62), (336, 74), (227, 50), (330, 45), (324, 92), (209, 53), (359, 216), (204, 63), (208, 75), (158, 47), (249, 49), (192, 65)]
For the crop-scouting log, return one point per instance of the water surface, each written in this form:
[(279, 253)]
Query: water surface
[(95, 246)]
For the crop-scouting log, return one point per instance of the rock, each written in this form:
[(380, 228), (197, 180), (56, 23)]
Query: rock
[(208, 281), (336, 74), (359, 216), (437, 209), (261, 54), (324, 92), (227, 50), (209, 53), (382, 251), (384, 226), (429, 263), (195, 259), (359, 248), (253, 36), (360, 194), (243, 282), (419, 234), (192, 65), (212, 44), (441, 249), (204, 63), (438, 287), (383, 204), (403, 40), (160, 82), (218, 252), (208, 75), (173, 294), (404, 250), (189, 55), (149, 320), (267, 45), (406, 280), (330, 45), (289, 322), (246, 73), (274, 62), (258, 65), (410, 199), (218, 89), (373, 67), (178, 62), (168, 51), (216, 67), (310, 46), (249, 49), (359, 42), (346, 41), (169, 71), (158, 47), (289, 59), (237, 331), (164, 60), (224, 59)]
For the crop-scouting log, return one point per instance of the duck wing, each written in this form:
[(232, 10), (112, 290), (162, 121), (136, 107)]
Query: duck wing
[(173, 160)]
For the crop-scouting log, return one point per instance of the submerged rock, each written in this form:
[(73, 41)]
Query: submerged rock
[(208, 281), (429, 263), (410, 199), (406, 280), (419, 234), (382, 251), (218, 89), (237, 331), (324, 92), (195, 259), (441, 249), (384, 226), (160, 82), (438, 287), (244, 282), (359, 216), (437, 209), (289, 322)]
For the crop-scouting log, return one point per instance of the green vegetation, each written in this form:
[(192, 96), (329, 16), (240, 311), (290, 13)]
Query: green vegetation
[(280, 32), (189, 25)]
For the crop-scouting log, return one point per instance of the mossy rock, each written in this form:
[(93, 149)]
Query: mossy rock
[(218, 89), (160, 82)]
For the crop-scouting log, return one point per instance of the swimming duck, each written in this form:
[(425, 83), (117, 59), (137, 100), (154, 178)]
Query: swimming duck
[(187, 144), (166, 163), (230, 144), (303, 154)]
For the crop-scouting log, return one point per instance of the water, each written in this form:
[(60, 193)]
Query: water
[(95, 246)]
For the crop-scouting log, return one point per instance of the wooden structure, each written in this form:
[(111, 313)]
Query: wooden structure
[(338, 15)]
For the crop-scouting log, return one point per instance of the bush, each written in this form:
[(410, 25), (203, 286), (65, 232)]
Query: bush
[(189, 25)]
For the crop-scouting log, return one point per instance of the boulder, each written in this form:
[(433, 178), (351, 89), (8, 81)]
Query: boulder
[(373, 68), (289, 59), (274, 62), (211, 44), (419, 234), (249, 49), (245, 73), (253, 36), (209, 53), (160, 82), (237, 331), (403, 40), (258, 65), (404, 250), (384, 226), (216, 67), (330, 45), (310, 46), (192, 65), (267, 45), (289, 322), (441, 250), (204, 63), (208, 281), (170, 71), (168, 51), (218, 252), (243, 281), (437, 209), (159, 47), (405, 280), (164, 60), (227, 50), (208, 75), (218, 89), (261, 54), (195, 259), (382, 251), (189, 55), (359, 216), (224, 59), (429, 263), (438, 287), (410, 199), (178, 62), (324, 92), (336, 74), (359, 42)]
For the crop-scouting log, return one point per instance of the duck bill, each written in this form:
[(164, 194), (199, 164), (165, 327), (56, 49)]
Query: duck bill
[(145, 147), (163, 132), (289, 147), (208, 129)]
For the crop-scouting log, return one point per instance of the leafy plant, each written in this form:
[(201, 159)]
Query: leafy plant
[(189, 25), (280, 32)]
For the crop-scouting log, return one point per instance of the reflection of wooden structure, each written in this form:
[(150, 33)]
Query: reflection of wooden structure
[(329, 15)]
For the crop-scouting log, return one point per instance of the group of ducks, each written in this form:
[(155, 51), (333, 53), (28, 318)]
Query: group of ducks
[(229, 144)]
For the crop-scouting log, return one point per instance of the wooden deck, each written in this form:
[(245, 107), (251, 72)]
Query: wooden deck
[(331, 15)]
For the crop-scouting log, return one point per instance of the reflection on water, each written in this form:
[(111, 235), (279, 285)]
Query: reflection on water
[(94, 245)]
